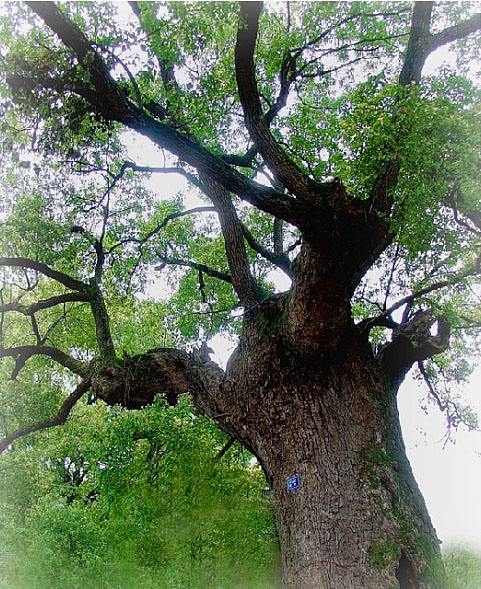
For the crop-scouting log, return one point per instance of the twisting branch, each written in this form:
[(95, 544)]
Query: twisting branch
[(59, 419)]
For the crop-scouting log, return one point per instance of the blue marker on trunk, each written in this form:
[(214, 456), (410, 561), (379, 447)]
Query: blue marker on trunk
[(293, 483)]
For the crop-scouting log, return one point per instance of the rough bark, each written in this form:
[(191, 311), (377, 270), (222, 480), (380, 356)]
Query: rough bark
[(327, 415)]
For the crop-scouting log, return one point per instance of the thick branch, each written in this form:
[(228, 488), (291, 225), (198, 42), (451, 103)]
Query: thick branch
[(106, 99), (64, 279), (162, 371), (456, 32), (412, 342), (292, 177), (244, 284), (101, 319), (26, 352), (418, 44), (422, 42), (59, 419)]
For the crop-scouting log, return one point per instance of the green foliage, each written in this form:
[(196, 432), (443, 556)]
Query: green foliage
[(463, 567), (134, 499), (121, 500)]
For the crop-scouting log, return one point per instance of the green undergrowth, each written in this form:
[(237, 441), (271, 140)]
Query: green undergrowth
[(463, 567), (134, 500)]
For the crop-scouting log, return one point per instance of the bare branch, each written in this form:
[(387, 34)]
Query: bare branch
[(453, 415), (59, 419), (408, 300), (224, 449)]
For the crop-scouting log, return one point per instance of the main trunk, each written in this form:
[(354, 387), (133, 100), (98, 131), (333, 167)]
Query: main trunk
[(326, 431), (323, 422)]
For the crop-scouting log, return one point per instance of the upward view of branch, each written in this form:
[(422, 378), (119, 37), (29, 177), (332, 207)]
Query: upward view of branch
[(59, 419)]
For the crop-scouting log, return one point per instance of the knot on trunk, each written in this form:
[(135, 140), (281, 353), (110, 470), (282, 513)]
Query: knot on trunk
[(412, 342), (135, 381)]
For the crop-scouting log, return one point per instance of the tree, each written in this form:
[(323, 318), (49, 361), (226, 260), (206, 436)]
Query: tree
[(323, 152)]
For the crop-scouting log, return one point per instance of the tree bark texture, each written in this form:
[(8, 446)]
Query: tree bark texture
[(323, 421)]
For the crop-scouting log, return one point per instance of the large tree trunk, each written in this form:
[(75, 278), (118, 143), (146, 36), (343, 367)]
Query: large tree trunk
[(323, 423), (328, 423)]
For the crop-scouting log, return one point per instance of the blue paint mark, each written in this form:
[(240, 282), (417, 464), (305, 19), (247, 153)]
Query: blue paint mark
[(293, 483)]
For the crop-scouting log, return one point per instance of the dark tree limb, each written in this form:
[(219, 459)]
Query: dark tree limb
[(419, 43), (412, 342), (456, 32), (163, 371), (109, 101), (44, 304), (174, 261), (42, 268), (227, 446), (59, 419), (166, 68), (90, 292), (454, 416), (102, 321), (279, 259), (384, 319), (165, 221), (292, 177), (242, 280), (65, 360)]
